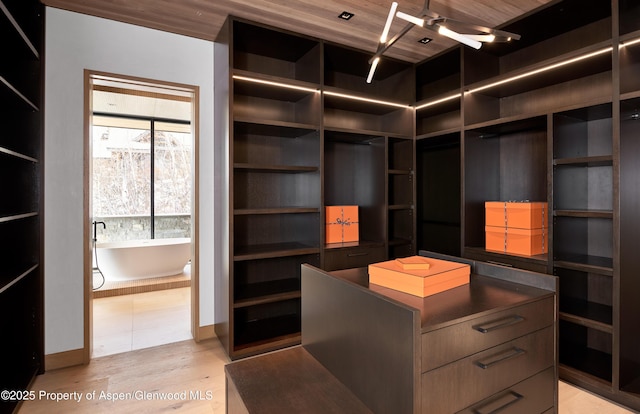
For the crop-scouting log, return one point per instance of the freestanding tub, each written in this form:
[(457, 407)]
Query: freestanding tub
[(143, 259)]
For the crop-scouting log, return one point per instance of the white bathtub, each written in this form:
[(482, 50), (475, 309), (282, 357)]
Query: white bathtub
[(142, 259)]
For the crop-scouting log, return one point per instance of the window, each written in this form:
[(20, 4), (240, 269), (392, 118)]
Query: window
[(141, 177)]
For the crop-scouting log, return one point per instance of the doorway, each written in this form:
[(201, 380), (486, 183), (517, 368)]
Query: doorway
[(141, 172)]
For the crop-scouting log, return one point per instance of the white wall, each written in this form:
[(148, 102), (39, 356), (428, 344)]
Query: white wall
[(76, 42)]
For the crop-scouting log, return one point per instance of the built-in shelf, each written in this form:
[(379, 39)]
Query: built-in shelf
[(265, 251), (535, 119), (275, 168), (275, 210), (595, 161), (601, 265), (21, 149), (268, 292), (584, 213)]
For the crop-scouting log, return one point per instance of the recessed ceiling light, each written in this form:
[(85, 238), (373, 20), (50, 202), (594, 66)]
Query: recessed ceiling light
[(425, 40), (345, 15)]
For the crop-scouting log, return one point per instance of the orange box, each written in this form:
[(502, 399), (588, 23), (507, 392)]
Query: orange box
[(495, 238), (520, 215), (341, 224), (414, 263), (441, 275), (495, 213), (526, 242)]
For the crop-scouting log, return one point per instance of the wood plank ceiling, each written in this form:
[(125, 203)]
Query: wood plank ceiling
[(317, 18)]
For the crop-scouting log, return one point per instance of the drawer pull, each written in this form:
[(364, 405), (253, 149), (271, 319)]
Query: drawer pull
[(501, 357), (357, 254), (499, 324), (499, 404)]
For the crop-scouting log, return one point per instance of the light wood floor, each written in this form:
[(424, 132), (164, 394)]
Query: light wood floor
[(193, 373), (142, 320)]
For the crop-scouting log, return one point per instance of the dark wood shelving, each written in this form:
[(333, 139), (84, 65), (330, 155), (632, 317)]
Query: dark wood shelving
[(269, 91), (579, 362), (399, 242), (275, 168), (15, 40), (21, 149), (259, 346), (350, 136), (550, 136), (273, 128), (630, 63), (400, 172), (275, 210), (583, 234), (14, 274), (345, 67), (359, 243), (633, 388), (601, 265), (258, 49), (590, 314), (595, 161), (629, 12), (19, 120), (400, 207), (269, 288), (539, 258), (587, 322), (267, 298), (265, 251), (569, 26), (10, 95), (360, 103), (588, 367), (440, 118), (421, 176), (606, 214), (540, 78), (256, 331), (439, 76), (264, 84), (362, 117), (508, 125)]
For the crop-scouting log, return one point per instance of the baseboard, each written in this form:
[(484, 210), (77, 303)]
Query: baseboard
[(206, 332), (64, 359)]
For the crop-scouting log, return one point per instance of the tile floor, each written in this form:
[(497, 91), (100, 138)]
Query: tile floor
[(143, 320)]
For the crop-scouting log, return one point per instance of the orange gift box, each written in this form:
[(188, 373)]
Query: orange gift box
[(527, 242), (514, 214), (440, 276), (341, 224)]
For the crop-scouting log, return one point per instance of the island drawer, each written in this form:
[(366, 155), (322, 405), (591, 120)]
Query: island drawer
[(442, 346), (455, 386), (533, 395)]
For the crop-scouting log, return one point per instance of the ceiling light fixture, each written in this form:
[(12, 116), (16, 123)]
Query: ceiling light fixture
[(387, 24), (459, 37), (471, 35)]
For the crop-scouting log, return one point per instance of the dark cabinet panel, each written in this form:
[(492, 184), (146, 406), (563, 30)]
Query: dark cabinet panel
[(21, 143), (300, 134), (553, 117), (629, 306)]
